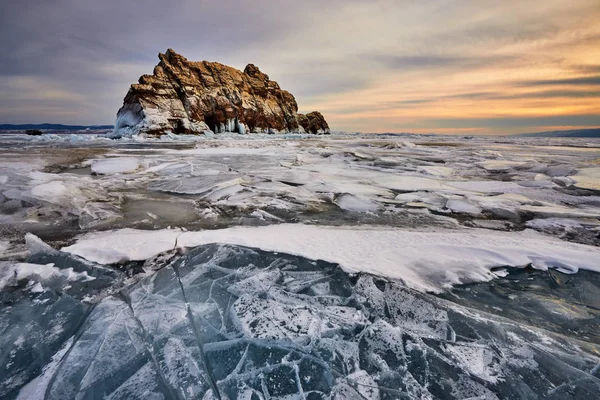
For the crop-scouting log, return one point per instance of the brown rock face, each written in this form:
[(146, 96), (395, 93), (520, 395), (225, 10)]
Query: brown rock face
[(189, 97), (313, 122)]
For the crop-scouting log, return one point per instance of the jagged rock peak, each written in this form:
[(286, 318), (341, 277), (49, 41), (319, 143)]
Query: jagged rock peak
[(192, 97)]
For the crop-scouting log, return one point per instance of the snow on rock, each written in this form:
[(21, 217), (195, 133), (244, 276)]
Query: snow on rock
[(425, 199), (561, 170), (437, 170), (111, 166), (424, 260), (563, 181), (485, 186)]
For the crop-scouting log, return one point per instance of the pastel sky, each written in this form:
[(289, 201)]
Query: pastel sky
[(445, 66)]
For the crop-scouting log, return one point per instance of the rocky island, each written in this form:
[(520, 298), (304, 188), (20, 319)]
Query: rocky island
[(187, 97)]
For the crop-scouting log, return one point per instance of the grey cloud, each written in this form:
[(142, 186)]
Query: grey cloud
[(583, 81), (587, 69), (475, 96), (95, 49), (436, 61), (545, 94), (70, 41), (514, 122), (80, 43)]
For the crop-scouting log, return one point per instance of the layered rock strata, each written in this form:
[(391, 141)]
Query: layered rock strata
[(187, 97)]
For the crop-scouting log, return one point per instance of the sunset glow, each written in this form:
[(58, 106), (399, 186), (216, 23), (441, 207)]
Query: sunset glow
[(482, 67)]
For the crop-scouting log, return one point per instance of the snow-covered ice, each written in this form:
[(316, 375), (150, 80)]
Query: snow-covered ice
[(12, 273), (425, 260)]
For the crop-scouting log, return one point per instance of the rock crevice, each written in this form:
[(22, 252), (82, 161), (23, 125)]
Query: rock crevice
[(187, 97)]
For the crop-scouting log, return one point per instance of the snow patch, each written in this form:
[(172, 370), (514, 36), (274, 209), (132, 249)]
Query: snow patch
[(424, 260), (10, 273)]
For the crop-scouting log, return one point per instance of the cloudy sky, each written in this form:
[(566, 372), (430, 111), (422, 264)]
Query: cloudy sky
[(446, 66)]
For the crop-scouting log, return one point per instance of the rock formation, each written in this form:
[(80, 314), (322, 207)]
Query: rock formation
[(187, 97), (313, 122)]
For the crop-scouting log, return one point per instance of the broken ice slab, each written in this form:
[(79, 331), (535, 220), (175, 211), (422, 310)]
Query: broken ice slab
[(227, 322), (44, 302), (33, 326)]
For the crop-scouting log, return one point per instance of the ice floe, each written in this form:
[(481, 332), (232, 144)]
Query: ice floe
[(119, 165)]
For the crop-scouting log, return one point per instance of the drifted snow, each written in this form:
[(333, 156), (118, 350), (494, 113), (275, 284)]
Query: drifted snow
[(425, 260)]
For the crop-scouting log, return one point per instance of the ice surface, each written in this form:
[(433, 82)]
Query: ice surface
[(35, 245), (226, 321), (426, 260), (52, 191), (215, 322), (462, 206), (500, 165), (355, 203), (297, 178), (4, 246), (121, 165), (588, 178)]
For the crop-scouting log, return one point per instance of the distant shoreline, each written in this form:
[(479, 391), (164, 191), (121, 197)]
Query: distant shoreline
[(82, 129), (52, 127)]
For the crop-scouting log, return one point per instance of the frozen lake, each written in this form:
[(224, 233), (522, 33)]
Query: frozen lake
[(341, 266)]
